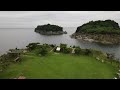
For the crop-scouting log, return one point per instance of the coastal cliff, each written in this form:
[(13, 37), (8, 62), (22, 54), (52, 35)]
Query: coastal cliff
[(50, 30), (106, 32)]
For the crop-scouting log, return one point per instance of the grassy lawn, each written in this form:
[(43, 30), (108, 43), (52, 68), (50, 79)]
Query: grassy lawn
[(59, 66)]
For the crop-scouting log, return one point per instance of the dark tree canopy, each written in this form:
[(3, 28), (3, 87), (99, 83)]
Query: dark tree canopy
[(49, 27), (43, 51), (77, 50), (32, 46), (63, 47), (100, 27)]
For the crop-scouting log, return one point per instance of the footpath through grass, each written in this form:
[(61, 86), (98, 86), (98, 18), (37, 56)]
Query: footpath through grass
[(59, 66)]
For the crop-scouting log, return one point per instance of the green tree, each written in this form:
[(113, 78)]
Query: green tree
[(87, 52), (74, 46), (32, 46), (67, 50), (43, 51), (77, 50), (63, 47)]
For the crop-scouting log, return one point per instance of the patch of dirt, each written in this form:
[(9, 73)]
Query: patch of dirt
[(21, 77)]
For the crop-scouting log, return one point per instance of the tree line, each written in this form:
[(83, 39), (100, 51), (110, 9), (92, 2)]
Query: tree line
[(100, 27)]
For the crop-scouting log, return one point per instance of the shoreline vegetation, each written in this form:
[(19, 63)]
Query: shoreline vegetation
[(106, 32), (99, 38), (44, 51), (50, 30)]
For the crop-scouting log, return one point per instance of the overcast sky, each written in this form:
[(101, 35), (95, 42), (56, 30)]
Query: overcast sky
[(30, 19)]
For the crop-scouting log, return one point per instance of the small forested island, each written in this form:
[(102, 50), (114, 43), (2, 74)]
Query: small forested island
[(107, 32), (50, 29)]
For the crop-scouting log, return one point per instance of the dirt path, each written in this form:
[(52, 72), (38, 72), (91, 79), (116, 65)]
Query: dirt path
[(53, 49)]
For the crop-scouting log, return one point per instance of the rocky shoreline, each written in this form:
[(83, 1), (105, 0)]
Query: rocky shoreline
[(51, 32), (101, 38)]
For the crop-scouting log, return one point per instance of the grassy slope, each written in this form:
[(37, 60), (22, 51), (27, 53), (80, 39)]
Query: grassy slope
[(59, 66)]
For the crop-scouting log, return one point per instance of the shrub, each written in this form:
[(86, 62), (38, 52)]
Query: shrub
[(99, 54), (52, 45), (63, 47), (67, 50), (86, 51), (74, 46), (32, 46), (77, 50), (43, 51)]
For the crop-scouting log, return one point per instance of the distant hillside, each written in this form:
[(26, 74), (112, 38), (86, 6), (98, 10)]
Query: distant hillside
[(100, 27)]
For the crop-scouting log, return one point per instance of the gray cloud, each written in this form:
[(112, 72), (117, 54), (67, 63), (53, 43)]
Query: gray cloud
[(30, 19)]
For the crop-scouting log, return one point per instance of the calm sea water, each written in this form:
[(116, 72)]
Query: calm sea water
[(12, 38)]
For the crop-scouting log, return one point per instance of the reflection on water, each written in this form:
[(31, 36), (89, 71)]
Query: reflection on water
[(12, 38)]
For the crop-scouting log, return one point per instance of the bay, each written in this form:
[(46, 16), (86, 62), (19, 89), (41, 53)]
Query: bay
[(20, 37)]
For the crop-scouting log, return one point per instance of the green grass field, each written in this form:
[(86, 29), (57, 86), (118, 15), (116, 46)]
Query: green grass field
[(59, 66)]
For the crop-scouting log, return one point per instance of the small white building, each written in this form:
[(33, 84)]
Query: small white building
[(58, 49)]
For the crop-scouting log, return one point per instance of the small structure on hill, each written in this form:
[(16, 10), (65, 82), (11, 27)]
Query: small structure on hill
[(15, 53), (58, 49)]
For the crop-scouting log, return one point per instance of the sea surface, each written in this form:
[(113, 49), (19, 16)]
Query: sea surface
[(11, 38)]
